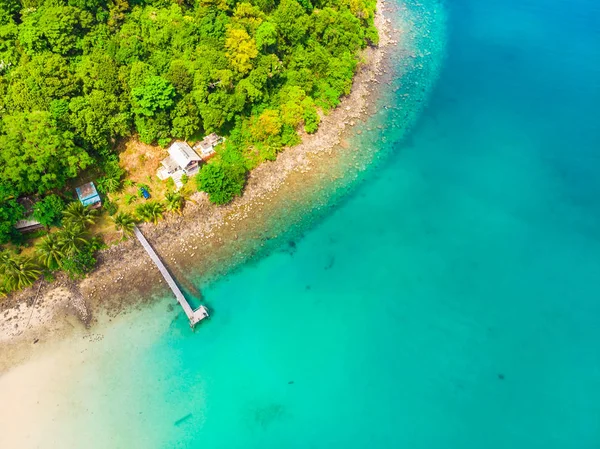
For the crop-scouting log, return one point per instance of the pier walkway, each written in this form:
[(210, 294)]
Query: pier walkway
[(194, 316)]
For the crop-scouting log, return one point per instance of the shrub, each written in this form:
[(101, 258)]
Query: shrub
[(110, 207), (78, 264), (221, 181), (311, 120), (129, 198), (49, 210)]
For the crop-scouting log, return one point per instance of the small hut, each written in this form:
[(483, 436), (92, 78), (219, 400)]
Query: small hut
[(88, 195), (206, 147)]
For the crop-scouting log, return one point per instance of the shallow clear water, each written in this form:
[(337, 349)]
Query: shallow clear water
[(451, 301)]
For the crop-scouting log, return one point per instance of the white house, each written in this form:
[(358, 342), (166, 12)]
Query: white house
[(182, 160), (206, 147)]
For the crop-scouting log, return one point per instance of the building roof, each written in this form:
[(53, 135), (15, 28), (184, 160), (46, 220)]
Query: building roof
[(206, 145), (28, 203), (27, 223), (212, 139), (183, 154), (88, 194), (170, 164)]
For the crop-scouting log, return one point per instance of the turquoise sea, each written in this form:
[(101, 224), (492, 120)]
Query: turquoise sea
[(449, 299)]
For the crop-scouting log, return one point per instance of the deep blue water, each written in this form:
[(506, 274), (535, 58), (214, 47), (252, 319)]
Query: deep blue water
[(452, 301)]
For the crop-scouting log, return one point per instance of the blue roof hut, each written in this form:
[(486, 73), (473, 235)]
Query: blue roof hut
[(88, 195)]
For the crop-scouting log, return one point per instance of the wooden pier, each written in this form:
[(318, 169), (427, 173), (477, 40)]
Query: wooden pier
[(194, 316)]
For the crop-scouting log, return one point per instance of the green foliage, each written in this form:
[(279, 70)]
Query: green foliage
[(48, 211), (53, 28), (150, 211), (311, 120), (174, 202), (70, 249), (129, 198), (96, 243), (37, 157), (10, 212), (50, 251), (78, 215), (98, 117), (78, 264), (108, 184), (241, 49), (72, 238), (266, 35), (111, 181), (170, 184), (110, 207), (17, 271), (155, 94), (124, 222), (152, 129), (221, 181), (78, 75)]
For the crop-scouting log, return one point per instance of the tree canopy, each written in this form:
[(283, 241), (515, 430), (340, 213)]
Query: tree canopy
[(77, 75)]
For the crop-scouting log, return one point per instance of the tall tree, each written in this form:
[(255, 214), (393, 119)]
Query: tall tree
[(55, 28), (10, 212), (155, 94), (36, 156), (241, 49), (99, 118), (221, 181)]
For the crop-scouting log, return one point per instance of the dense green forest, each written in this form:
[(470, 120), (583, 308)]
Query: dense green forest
[(76, 76)]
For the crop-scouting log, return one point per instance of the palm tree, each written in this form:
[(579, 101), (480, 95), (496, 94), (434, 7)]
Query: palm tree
[(77, 213), (109, 184), (18, 271), (175, 202), (50, 251), (5, 261), (72, 238), (150, 211), (124, 222), (3, 290)]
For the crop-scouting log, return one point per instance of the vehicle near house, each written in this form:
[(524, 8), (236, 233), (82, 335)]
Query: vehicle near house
[(145, 193)]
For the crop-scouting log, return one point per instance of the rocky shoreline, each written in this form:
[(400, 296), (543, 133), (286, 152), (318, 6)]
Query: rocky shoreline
[(206, 240)]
